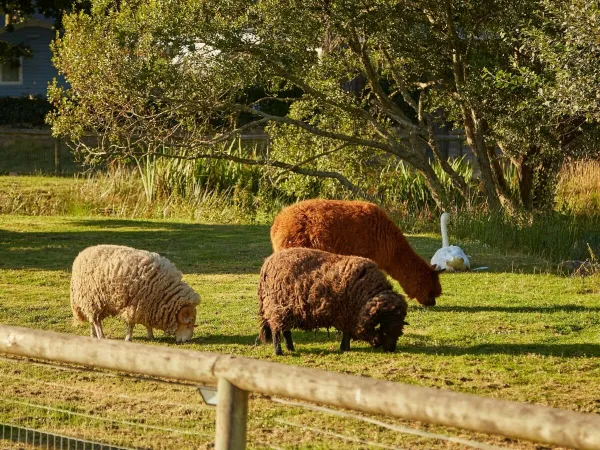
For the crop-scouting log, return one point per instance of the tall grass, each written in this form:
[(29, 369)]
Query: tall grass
[(570, 231), (556, 236), (404, 192), (578, 188)]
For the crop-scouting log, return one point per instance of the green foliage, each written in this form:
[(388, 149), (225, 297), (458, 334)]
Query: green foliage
[(401, 185), (24, 111), (338, 87)]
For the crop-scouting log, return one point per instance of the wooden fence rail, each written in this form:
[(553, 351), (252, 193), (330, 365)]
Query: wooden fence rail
[(235, 375)]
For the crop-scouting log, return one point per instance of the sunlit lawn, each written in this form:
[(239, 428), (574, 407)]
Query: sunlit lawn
[(517, 331)]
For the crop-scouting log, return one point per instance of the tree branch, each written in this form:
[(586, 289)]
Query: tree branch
[(314, 130), (344, 107), (274, 163), (388, 105)]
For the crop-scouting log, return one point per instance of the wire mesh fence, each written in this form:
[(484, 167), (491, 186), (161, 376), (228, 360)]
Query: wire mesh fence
[(65, 407), (37, 152), (25, 152), (69, 408)]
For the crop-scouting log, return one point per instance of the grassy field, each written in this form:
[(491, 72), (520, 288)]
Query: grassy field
[(519, 331)]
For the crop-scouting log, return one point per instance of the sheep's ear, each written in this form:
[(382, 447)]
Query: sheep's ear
[(186, 315)]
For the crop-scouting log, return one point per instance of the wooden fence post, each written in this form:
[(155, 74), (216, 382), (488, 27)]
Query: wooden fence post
[(57, 166), (232, 415)]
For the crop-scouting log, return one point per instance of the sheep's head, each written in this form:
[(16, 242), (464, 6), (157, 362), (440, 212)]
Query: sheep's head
[(186, 321), (381, 321)]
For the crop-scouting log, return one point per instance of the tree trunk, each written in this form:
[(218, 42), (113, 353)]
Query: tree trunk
[(419, 161), (542, 189), (475, 139), (457, 180), (526, 174)]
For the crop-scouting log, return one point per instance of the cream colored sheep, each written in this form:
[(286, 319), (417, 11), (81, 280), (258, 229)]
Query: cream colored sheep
[(139, 286)]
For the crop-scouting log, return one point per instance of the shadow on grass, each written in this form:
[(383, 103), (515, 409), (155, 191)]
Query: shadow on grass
[(562, 350), (514, 309), (302, 338), (193, 248)]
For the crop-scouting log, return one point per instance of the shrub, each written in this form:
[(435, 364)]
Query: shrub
[(24, 111)]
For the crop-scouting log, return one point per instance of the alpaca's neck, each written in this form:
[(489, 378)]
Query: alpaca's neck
[(444, 225)]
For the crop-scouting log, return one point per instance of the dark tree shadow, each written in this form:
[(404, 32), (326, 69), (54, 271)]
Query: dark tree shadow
[(514, 309), (193, 248), (562, 350), (302, 338)]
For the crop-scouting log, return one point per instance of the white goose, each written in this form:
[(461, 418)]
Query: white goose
[(449, 257)]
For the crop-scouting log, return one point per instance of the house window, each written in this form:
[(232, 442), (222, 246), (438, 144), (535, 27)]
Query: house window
[(11, 73)]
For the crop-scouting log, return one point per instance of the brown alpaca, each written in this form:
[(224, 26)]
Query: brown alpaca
[(360, 229), (309, 289)]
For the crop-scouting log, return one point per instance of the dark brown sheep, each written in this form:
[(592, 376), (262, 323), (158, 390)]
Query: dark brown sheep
[(309, 289), (360, 229)]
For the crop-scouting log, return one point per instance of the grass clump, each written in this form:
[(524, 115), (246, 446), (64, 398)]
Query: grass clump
[(554, 236), (578, 188)]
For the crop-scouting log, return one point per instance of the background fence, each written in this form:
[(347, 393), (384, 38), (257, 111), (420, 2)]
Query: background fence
[(25, 152), (34, 151), (139, 413)]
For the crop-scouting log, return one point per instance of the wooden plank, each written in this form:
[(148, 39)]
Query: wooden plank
[(109, 354), (232, 416), (436, 406)]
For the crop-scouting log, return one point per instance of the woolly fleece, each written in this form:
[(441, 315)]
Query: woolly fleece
[(137, 285), (360, 229), (308, 289)]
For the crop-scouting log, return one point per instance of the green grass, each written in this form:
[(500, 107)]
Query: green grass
[(518, 332)]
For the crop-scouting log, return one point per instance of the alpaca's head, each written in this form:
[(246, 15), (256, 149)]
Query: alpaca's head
[(425, 285), (381, 321)]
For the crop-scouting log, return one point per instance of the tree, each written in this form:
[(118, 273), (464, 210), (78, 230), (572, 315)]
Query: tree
[(377, 77), (544, 105)]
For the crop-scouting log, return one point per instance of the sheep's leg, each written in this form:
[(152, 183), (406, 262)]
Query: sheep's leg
[(92, 330), (277, 342), (98, 327), (150, 333), (289, 344), (129, 331), (345, 345)]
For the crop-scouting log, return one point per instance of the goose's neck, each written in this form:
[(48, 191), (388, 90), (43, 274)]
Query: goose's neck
[(444, 225)]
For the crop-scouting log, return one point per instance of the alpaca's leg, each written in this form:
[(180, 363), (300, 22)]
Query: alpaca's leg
[(277, 342), (98, 327), (150, 333), (345, 345), (92, 330), (129, 331), (289, 344)]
